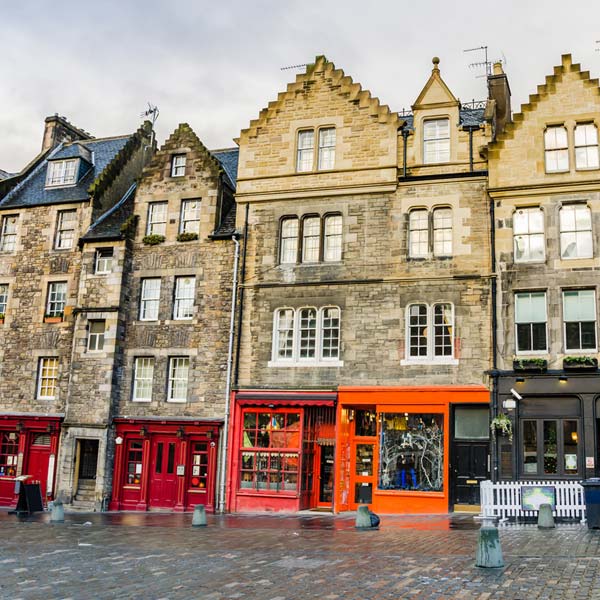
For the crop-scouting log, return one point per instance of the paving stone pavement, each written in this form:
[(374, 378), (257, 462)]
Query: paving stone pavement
[(160, 557)]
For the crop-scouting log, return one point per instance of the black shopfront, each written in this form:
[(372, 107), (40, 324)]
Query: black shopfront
[(555, 426)]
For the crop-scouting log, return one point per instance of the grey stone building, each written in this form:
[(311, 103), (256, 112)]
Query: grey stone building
[(44, 210)]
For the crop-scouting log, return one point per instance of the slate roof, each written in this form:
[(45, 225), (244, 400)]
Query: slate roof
[(108, 226), (228, 157), (227, 226), (468, 116), (32, 191), (4, 174)]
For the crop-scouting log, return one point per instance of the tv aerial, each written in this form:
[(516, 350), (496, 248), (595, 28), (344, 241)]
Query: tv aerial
[(486, 62), (152, 111)]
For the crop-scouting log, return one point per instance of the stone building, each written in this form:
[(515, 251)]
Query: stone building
[(365, 300), (44, 209), (544, 184), (169, 399)]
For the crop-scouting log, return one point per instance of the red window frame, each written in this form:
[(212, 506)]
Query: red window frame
[(9, 450), (199, 462), (135, 454), (270, 450)]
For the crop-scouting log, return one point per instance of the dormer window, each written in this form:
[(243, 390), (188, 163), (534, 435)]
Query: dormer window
[(62, 172), (436, 141), (178, 165)]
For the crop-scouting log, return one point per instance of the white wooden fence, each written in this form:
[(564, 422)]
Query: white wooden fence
[(503, 499)]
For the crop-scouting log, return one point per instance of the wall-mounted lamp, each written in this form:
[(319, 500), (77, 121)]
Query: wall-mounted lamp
[(520, 380), (143, 431), (209, 435), (19, 426), (180, 432), (509, 404), (563, 379)]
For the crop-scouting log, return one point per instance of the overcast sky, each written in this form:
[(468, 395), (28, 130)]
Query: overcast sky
[(216, 64)]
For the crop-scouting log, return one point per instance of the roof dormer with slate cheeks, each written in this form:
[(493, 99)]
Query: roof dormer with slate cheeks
[(438, 139), (568, 98), (185, 170), (323, 135)]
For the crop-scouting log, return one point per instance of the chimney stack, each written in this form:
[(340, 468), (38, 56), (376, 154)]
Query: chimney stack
[(58, 129), (499, 91)]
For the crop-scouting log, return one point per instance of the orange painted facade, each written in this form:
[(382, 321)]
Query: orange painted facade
[(358, 448)]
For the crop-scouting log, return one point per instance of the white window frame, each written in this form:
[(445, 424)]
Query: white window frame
[(434, 138), (580, 350), (103, 263), (183, 305), (430, 358), (296, 341), (588, 144), (528, 235), (150, 302), (440, 229), (4, 288), (62, 172), (178, 164), (189, 221), (326, 156), (333, 230), (413, 231), (556, 150), (528, 322), (157, 222), (56, 299), (8, 236), (65, 229), (576, 232), (311, 238), (288, 241), (305, 150), (177, 363), (47, 378), (96, 339), (143, 372)]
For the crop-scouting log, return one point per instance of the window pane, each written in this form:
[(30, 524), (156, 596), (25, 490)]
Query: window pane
[(178, 379), (418, 225), (190, 216), (289, 241), (327, 148), (442, 320), (417, 330), (150, 299), (530, 307), (330, 327), (142, 378), (550, 448), (442, 232), (157, 218), (311, 237), (306, 144), (185, 288), (472, 423), (411, 452), (570, 447), (530, 452), (284, 339), (579, 305), (333, 238), (308, 333)]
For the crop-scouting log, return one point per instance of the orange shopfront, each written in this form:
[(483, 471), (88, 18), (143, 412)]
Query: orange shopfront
[(164, 464), (395, 446)]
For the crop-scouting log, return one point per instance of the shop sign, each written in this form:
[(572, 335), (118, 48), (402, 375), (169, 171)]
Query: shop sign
[(571, 462), (180, 469), (533, 496), (589, 462)]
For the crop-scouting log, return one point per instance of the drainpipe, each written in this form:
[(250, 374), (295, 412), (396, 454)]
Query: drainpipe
[(471, 129), (241, 301), (405, 139), (494, 373), (224, 437)]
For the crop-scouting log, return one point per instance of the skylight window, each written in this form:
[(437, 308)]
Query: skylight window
[(62, 172)]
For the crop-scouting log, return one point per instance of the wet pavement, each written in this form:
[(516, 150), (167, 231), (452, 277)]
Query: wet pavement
[(159, 556)]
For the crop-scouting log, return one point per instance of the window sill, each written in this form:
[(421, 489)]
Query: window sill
[(280, 364), (426, 362), (173, 401), (142, 400), (581, 351)]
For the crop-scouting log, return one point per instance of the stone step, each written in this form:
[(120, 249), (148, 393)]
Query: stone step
[(86, 484)]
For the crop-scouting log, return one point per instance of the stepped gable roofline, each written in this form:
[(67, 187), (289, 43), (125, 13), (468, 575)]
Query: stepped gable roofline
[(543, 90), (347, 88), (435, 81)]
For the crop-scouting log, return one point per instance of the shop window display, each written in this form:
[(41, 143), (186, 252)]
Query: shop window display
[(199, 465), (9, 448), (134, 462), (270, 451), (411, 452)]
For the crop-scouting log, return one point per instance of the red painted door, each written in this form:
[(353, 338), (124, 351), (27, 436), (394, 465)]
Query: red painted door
[(38, 459), (163, 472)]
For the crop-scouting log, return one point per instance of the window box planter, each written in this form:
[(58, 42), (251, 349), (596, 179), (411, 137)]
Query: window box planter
[(530, 364), (580, 363), (53, 318), (1, 319), (153, 240), (187, 237)]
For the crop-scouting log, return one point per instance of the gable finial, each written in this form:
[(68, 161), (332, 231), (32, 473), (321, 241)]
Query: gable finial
[(436, 61)]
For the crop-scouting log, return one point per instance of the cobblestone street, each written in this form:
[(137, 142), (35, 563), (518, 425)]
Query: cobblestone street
[(288, 558)]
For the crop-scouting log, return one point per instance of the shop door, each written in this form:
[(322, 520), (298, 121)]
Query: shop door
[(326, 471), (470, 469), (362, 474), (38, 460), (163, 473)]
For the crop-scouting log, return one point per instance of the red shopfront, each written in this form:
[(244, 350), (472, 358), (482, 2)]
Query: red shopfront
[(164, 464), (282, 451), (28, 446)]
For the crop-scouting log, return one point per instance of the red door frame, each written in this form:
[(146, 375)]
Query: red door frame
[(27, 426), (186, 432), (163, 484)]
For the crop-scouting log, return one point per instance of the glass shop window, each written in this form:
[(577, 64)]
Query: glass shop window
[(199, 466), (134, 462), (365, 423), (472, 423), (270, 455), (9, 450), (411, 452)]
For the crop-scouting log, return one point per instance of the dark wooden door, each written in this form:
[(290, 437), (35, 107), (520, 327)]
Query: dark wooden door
[(163, 473), (469, 469), (326, 473)]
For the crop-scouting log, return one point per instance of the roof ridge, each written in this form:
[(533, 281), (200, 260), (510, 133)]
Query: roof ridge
[(230, 149), (347, 87)]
